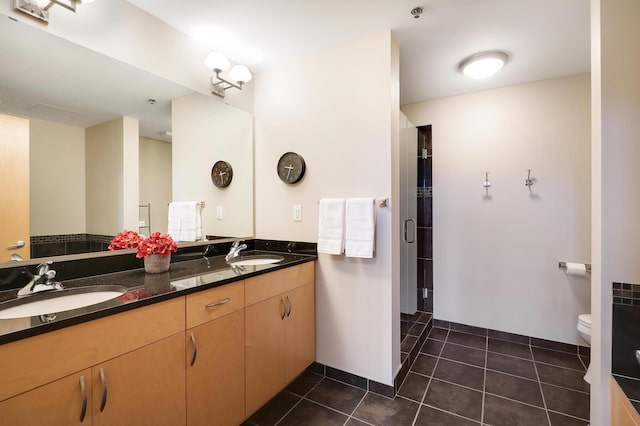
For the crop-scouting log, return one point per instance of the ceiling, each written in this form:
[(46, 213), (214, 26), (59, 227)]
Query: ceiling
[(544, 38)]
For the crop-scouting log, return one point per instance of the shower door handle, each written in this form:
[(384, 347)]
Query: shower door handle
[(405, 231)]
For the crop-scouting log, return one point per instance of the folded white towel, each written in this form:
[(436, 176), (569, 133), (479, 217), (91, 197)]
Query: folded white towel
[(360, 227), (185, 221), (331, 226)]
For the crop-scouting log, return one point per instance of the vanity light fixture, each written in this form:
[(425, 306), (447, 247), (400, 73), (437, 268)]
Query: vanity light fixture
[(483, 65), (39, 9), (219, 63)]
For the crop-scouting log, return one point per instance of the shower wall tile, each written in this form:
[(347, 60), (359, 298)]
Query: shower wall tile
[(425, 212), (425, 243)]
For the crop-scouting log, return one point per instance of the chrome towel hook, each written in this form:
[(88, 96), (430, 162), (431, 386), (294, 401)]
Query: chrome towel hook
[(486, 183), (528, 181)]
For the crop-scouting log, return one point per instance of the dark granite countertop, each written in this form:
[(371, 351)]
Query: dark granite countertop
[(142, 289)]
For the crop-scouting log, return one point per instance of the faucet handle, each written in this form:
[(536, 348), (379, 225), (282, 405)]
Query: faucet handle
[(43, 268)]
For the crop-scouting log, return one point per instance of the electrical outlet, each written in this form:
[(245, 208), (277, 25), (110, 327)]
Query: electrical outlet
[(219, 212), (297, 213)]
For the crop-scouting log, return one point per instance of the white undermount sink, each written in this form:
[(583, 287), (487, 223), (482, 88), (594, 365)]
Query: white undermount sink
[(256, 259), (58, 301)]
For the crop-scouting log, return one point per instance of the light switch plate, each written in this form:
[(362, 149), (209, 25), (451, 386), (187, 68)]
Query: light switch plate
[(425, 293), (297, 213), (219, 212)]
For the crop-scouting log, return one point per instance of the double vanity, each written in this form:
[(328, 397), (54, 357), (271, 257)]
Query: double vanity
[(206, 343)]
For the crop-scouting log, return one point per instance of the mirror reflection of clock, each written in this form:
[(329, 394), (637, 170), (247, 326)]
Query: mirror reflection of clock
[(291, 168), (221, 174)]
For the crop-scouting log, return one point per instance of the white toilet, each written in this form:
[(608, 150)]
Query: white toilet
[(584, 328)]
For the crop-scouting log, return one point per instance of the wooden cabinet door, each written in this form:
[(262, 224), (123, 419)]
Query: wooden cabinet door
[(215, 375), (14, 181), (143, 387), (265, 340), (300, 331), (59, 403)]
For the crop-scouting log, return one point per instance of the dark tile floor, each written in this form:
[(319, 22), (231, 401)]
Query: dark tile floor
[(457, 379)]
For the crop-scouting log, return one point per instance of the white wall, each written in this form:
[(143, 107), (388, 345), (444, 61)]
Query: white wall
[(496, 260), (111, 161), (616, 200), (155, 182), (339, 110), (57, 184), (205, 131)]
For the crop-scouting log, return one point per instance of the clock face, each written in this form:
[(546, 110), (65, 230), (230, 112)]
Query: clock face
[(291, 168), (221, 174)]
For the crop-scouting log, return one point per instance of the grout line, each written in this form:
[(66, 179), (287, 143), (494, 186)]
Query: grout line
[(452, 413), (424, 395), (569, 415), (626, 377), (565, 388), (484, 380), (519, 402), (544, 400), (356, 409)]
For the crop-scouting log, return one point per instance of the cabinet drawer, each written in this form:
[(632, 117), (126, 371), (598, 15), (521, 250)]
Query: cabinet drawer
[(214, 303), (32, 362), (265, 286)]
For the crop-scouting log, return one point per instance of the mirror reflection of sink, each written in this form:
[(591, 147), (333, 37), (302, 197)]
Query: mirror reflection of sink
[(256, 259), (58, 301)]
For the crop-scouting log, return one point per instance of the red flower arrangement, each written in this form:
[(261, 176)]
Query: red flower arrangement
[(126, 240), (156, 243)]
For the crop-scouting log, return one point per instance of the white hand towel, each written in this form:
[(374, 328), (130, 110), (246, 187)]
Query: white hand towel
[(331, 226), (185, 223), (360, 228)]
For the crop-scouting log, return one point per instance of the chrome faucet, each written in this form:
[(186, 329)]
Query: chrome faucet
[(235, 250), (41, 281)]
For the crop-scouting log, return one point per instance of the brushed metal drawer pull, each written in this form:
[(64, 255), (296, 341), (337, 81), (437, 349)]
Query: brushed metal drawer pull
[(284, 308), (83, 391), (18, 244), (103, 379), (218, 303), (290, 306), (195, 349)]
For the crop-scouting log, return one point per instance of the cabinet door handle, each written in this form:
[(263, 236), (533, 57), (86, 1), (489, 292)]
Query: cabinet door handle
[(195, 349), (284, 308), (290, 306), (218, 303), (18, 244), (103, 379), (83, 391)]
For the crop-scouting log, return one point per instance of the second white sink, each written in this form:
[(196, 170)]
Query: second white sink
[(257, 259)]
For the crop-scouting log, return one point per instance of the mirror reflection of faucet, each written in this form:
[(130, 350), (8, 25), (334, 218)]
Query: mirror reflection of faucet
[(41, 281)]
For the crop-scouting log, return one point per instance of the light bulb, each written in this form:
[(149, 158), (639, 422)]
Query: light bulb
[(217, 61), (240, 74)]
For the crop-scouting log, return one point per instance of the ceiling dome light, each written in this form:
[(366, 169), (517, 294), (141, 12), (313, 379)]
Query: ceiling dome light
[(483, 65)]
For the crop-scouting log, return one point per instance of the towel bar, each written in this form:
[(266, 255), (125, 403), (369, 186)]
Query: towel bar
[(380, 202)]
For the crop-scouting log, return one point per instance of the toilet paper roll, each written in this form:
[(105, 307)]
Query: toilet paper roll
[(579, 269)]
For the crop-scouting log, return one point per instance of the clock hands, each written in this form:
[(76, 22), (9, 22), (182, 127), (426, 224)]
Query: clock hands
[(289, 168)]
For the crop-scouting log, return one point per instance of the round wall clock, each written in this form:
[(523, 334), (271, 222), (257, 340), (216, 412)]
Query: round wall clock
[(221, 174), (291, 168)]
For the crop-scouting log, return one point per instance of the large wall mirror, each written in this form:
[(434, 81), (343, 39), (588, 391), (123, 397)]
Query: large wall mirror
[(104, 153)]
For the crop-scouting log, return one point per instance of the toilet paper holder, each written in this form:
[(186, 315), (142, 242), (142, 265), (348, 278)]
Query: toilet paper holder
[(563, 266)]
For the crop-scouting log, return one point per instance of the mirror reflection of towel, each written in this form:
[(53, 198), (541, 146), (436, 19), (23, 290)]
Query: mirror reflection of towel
[(185, 221), (360, 227)]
